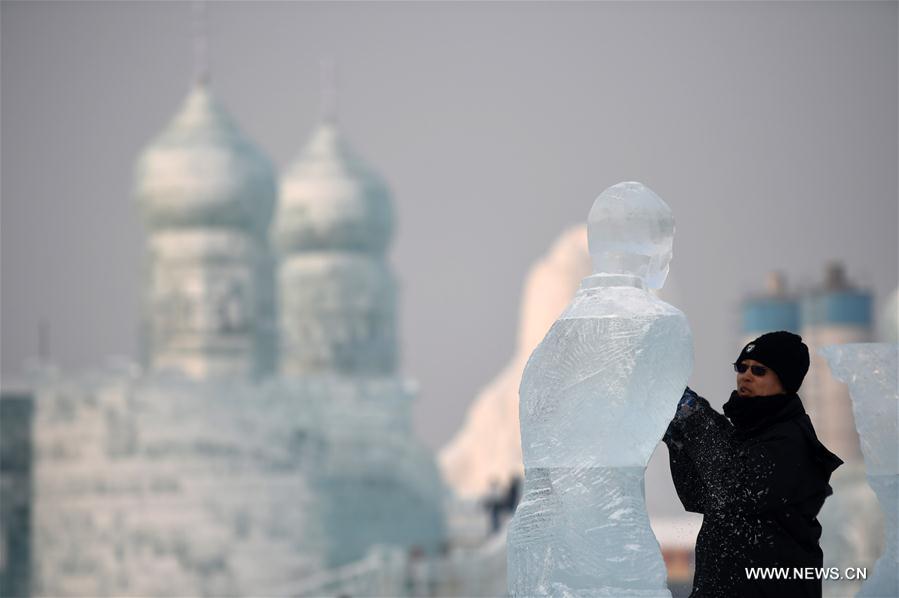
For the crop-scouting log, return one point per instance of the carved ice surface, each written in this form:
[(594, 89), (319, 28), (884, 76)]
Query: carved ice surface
[(630, 231), (595, 398), (870, 370)]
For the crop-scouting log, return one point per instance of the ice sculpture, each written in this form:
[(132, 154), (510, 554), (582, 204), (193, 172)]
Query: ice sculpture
[(870, 370), (596, 396)]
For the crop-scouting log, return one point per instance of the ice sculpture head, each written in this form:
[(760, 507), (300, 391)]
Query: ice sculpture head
[(631, 232)]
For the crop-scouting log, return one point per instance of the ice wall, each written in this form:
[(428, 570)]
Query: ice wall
[(155, 487), (164, 486)]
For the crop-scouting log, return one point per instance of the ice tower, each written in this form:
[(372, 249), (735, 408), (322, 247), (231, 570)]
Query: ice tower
[(337, 323), (190, 478), (336, 291), (202, 474), (206, 194), (596, 396)]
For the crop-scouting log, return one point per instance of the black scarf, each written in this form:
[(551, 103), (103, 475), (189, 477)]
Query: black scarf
[(751, 414)]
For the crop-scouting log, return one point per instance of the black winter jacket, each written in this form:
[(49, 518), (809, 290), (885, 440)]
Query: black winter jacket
[(759, 477)]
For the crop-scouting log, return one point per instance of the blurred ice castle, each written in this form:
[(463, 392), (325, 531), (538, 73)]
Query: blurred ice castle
[(266, 438)]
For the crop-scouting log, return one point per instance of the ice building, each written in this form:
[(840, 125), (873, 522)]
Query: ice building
[(16, 408), (337, 321), (184, 477), (160, 485), (206, 195), (220, 467), (337, 293)]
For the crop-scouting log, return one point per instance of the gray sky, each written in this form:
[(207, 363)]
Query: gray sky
[(769, 128)]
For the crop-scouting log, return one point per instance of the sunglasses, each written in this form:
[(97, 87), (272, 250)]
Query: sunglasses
[(757, 370)]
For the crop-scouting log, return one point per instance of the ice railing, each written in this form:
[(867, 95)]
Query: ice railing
[(378, 574), (392, 571)]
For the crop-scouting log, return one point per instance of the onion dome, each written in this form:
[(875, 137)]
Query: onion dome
[(330, 200), (202, 171)]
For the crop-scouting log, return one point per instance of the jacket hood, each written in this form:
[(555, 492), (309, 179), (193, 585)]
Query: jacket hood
[(826, 459)]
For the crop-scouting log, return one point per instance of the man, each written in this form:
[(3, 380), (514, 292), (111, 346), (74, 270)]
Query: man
[(759, 476)]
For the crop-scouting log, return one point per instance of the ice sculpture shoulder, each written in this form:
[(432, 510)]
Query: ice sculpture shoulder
[(595, 398), (604, 381)]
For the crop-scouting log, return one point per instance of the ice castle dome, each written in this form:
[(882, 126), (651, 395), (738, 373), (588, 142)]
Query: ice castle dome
[(202, 171), (630, 231), (331, 200)]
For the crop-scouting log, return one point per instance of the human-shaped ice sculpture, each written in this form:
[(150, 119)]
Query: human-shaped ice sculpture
[(871, 370), (595, 398)]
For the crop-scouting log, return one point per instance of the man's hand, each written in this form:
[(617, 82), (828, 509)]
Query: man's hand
[(687, 404)]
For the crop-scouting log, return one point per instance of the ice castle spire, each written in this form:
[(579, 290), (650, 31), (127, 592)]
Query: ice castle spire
[(332, 227), (206, 195), (329, 91), (201, 44)]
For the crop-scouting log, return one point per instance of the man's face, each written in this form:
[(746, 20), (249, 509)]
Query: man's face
[(758, 380)]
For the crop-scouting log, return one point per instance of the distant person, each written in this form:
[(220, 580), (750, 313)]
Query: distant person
[(513, 494), (758, 474), (493, 502)]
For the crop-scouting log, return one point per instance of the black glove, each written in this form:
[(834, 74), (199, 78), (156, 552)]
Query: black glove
[(685, 407), (687, 404)]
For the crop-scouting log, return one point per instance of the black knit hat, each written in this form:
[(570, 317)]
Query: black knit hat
[(783, 352)]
